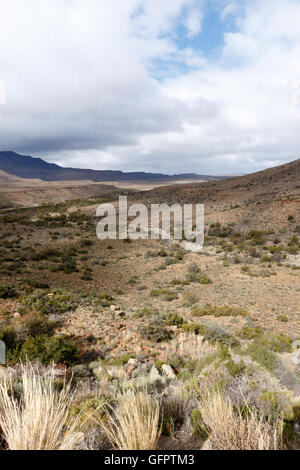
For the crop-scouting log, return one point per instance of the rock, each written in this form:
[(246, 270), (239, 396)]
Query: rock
[(296, 402), (295, 356), (132, 361), (120, 313), (130, 369), (168, 371), (115, 308), (94, 365), (140, 358), (154, 374)]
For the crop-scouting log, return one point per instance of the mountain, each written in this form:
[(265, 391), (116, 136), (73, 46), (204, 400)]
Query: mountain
[(29, 167)]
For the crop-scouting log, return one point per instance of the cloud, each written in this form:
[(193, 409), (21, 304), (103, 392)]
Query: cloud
[(81, 91), (194, 22), (2, 93)]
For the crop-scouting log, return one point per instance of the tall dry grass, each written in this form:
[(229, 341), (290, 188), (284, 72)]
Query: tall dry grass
[(37, 420), (230, 430), (134, 423), (192, 345)]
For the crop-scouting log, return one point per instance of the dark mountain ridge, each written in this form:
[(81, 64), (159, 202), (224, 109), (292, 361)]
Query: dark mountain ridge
[(30, 167)]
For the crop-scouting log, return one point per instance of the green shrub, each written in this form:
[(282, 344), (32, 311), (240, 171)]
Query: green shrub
[(49, 302), (192, 277), (174, 320), (7, 292), (90, 412), (46, 254), (216, 334), (218, 311), (194, 328), (32, 324), (204, 280), (45, 349), (283, 318), (189, 299), (267, 259), (86, 242), (235, 368), (121, 360), (250, 332), (9, 337), (276, 343), (166, 294), (276, 249), (155, 331), (257, 237), (198, 427), (262, 355)]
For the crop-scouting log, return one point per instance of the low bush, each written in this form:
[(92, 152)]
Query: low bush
[(46, 349), (155, 331), (49, 302), (189, 299), (166, 294), (218, 311), (262, 355), (174, 320), (7, 292)]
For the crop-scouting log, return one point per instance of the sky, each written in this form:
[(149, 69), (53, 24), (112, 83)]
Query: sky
[(172, 86)]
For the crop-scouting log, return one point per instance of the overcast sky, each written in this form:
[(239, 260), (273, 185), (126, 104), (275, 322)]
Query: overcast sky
[(203, 86)]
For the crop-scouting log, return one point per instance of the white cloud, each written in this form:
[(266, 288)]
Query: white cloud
[(2, 93), (194, 22), (80, 89), (231, 9)]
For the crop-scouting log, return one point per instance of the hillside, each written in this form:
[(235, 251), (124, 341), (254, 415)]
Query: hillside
[(29, 167), (262, 200)]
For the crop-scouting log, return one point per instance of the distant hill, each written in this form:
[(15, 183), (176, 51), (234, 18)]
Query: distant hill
[(29, 167), (7, 178), (274, 182)]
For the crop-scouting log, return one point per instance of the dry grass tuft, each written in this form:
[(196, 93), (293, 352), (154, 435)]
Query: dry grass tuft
[(193, 346), (37, 420), (134, 424), (230, 430)]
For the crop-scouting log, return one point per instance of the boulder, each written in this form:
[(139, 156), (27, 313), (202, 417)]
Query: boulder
[(115, 308), (295, 356), (168, 371), (154, 374)]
